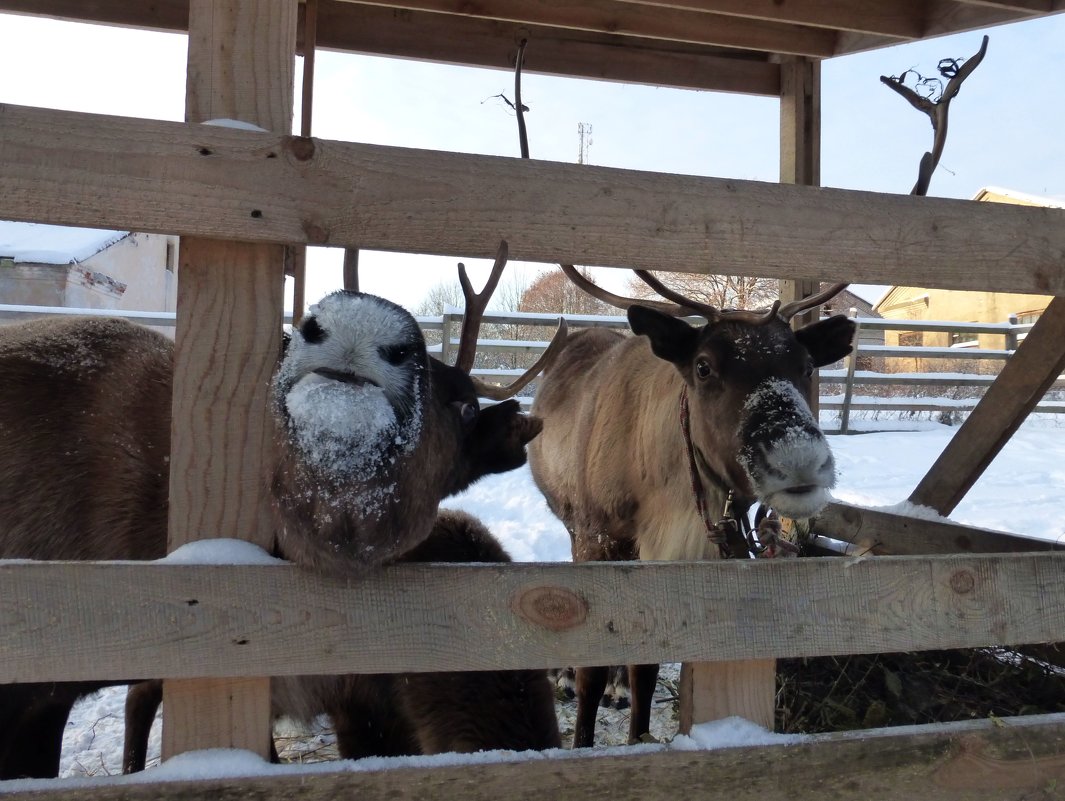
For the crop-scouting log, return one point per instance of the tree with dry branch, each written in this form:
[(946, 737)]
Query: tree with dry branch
[(720, 291)]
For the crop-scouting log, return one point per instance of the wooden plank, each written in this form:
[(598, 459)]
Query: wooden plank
[(1007, 759), (228, 339), (232, 708), (715, 690), (217, 182), (627, 19), (227, 345), (877, 531), (901, 19), (582, 54), (116, 621), (1021, 384)]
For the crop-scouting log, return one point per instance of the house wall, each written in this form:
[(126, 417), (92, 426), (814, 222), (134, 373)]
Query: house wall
[(137, 273)]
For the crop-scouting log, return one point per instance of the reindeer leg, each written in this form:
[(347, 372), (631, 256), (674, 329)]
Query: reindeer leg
[(642, 679), (33, 717), (590, 685), (142, 702)]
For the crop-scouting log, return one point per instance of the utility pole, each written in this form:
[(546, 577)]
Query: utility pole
[(584, 133)]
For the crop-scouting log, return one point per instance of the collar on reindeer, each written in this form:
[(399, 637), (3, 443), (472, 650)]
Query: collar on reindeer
[(729, 533)]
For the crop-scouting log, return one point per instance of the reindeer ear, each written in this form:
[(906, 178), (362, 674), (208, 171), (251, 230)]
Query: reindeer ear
[(671, 339), (827, 340)]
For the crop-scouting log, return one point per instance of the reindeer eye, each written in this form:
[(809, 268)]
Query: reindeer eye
[(395, 354), (469, 413), (703, 369), (312, 332)]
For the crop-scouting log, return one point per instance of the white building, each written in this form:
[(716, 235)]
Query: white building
[(50, 265)]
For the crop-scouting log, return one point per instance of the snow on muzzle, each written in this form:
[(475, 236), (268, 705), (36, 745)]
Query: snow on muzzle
[(784, 451)]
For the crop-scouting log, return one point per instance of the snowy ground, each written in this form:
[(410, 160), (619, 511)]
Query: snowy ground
[(1021, 492)]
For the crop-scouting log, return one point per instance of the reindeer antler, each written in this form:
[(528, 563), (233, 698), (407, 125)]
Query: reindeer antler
[(471, 326), (789, 310)]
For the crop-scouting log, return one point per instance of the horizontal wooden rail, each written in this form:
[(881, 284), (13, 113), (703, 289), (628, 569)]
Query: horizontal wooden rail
[(210, 181), (1001, 758), (112, 621)]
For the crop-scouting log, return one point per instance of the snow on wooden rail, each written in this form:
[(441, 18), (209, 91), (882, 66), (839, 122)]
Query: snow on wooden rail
[(113, 621)]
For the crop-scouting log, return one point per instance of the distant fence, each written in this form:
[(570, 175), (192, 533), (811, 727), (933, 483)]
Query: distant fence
[(845, 379)]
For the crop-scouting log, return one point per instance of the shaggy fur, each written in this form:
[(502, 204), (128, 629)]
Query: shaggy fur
[(84, 461), (612, 461)]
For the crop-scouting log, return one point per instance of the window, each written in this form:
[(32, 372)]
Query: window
[(911, 339), (964, 339)]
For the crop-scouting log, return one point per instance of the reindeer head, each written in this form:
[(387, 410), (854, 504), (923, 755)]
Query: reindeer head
[(747, 376), (374, 432)]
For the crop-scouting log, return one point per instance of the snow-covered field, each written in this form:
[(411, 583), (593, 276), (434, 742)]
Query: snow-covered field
[(1021, 492)]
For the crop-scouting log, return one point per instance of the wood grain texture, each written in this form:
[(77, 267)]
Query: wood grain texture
[(116, 621), (715, 690), (228, 339), (232, 709), (207, 181), (1018, 759), (1021, 384), (582, 54), (633, 19)]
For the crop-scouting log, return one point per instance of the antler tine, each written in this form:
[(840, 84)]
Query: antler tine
[(789, 310), (596, 291), (547, 358), (475, 306), (705, 309)]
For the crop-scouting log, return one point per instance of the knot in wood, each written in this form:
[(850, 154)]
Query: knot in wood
[(301, 147), (552, 608), (962, 581)]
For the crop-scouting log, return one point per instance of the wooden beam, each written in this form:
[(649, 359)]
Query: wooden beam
[(880, 532), (581, 54), (167, 177), (900, 19), (228, 338), (1020, 385), (714, 690), (98, 621), (627, 19), (1001, 758)]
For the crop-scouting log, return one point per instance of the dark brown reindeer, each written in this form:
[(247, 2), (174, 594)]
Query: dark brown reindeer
[(647, 438), (409, 713), (372, 434)]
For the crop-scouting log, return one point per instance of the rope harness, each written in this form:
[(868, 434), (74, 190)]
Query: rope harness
[(732, 533)]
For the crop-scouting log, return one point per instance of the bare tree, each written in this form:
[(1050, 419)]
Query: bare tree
[(553, 293), (720, 291)]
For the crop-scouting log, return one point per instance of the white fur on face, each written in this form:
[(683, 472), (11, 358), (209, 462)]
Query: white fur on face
[(789, 462), (347, 406)]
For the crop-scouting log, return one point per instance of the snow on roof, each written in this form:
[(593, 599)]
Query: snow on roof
[(1051, 201), (36, 243)]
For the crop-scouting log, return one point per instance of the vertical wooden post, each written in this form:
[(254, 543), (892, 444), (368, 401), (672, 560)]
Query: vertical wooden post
[(229, 313), (711, 690)]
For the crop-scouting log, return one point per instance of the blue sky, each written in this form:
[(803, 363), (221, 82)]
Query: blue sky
[(1006, 125)]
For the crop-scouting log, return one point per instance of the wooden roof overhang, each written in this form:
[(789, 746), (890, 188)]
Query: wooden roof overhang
[(722, 45)]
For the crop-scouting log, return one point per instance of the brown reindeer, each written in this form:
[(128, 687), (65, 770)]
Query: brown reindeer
[(372, 434), (648, 438), (407, 713)]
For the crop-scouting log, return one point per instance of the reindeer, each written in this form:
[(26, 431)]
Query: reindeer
[(411, 713), (648, 440), (372, 434)]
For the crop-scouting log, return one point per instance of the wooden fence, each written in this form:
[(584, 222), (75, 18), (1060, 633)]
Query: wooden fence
[(237, 196), (848, 377)]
